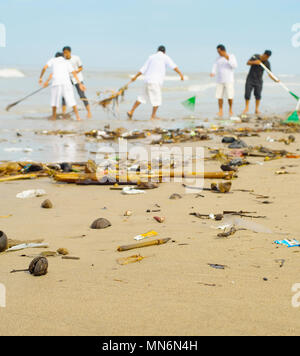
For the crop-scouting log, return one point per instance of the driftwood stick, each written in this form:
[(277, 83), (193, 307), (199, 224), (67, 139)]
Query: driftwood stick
[(143, 244)]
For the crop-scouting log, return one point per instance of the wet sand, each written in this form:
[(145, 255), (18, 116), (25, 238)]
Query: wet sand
[(171, 292)]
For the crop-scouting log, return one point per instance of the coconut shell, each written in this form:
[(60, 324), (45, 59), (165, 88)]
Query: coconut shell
[(47, 204), (39, 266), (100, 224), (3, 242)]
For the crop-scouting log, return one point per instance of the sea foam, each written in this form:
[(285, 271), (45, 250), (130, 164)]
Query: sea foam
[(11, 73)]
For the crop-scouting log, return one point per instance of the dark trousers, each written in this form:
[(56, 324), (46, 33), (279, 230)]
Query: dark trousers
[(256, 86), (81, 95)]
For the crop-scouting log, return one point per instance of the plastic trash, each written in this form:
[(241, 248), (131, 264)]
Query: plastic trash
[(146, 236), (31, 193), (132, 191), (24, 246), (234, 221), (288, 243)]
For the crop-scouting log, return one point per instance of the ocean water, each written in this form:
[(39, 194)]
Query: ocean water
[(32, 115)]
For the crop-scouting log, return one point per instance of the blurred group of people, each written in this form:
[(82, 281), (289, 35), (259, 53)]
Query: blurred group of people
[(67, 72)]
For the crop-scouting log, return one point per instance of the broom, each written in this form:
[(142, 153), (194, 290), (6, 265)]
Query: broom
[(294, 116)]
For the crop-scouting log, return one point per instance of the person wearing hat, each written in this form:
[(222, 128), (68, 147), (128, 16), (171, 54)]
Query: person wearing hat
[(255, 79), (154, 71)]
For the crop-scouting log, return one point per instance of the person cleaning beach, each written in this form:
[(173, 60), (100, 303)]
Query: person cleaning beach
[(61, 84), (223, 69), (255, 79), (77, 65), (154, 71)]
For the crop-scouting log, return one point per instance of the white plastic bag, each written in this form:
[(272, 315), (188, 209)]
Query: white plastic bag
[(31, 193)]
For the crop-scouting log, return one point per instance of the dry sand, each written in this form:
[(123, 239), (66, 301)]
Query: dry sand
[(173, 291)]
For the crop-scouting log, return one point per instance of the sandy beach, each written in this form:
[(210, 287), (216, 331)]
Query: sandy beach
[(173, 291)]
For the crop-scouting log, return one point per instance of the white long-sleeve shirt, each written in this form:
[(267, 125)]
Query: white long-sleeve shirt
[(155, 68), (224, 69)]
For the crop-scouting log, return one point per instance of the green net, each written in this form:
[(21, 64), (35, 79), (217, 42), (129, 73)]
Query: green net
[(190, 104), (293, 118)]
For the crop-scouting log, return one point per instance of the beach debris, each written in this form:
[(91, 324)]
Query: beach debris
[(113, 98), (70, 258), (228, 168), (47, 204), (100, 224), (217, 217), (221, 187), (231, 232), (143, 244), (216, 266), (131, 191), (31, 193), (38, 267), (237, 162), (288, 243), (175, 196), (46, 254), (6, 216), (66, 167), (146, 235), (160, 220), (3, 242), (27, 245), (207, 284), (244, 214), (91, 167), (12, 243), (281, 172), (281, 262), (18, 177), (228, 140), (147, 185), (62, 251), (10, 168), (131, 259), (237, 144), (234, 221), (32, 167), (128, 213)]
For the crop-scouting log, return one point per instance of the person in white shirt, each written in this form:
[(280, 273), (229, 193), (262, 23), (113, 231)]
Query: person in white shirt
[(154, 71), (223, 69), (77, 65), (61, 84)]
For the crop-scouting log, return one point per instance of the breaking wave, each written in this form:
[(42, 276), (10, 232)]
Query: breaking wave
[(11, 73)]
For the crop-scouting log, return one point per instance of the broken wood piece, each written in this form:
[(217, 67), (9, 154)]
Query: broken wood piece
[(244, 214), (18, 177), (143, 244)]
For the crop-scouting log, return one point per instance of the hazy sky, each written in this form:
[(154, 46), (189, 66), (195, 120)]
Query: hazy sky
[(120, 34)]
